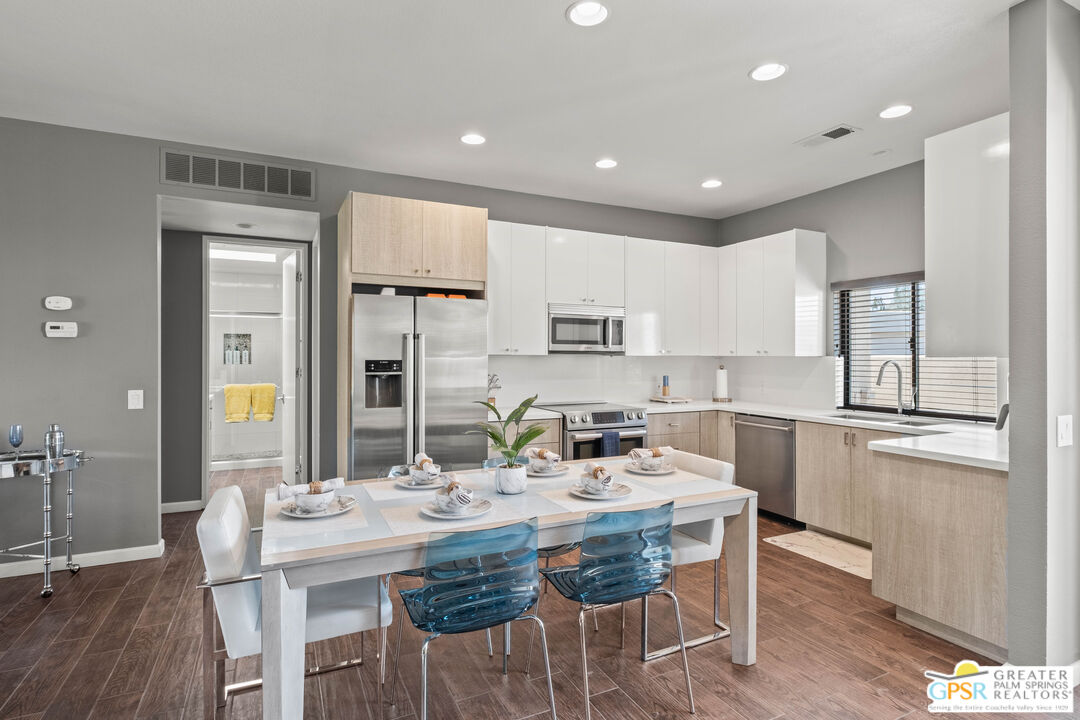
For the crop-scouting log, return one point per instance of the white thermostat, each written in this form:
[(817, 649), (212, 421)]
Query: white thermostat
[(57, 302), (61, 329)]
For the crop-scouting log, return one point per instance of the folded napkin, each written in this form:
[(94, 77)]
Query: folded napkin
[(284, 492), (639, 453), (542, 454), (425, 463), (455, 497), (597, 478), (599, 472)]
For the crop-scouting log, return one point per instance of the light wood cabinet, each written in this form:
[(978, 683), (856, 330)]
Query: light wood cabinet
[(725, 442), (517, 311), (401, 241), (550, 440), (678, 430), (823, 476), (585, 268), (710, 433), (833, 466), (387, 235)]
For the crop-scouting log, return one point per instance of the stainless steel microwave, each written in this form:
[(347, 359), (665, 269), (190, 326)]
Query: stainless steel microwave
[(586, 329)]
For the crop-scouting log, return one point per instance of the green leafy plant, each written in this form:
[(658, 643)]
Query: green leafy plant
[(500, 432)]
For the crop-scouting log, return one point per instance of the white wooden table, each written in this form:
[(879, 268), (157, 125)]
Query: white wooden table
[(386, 533)]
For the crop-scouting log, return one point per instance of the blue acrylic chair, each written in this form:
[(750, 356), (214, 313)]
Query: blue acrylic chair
[(624, 556), (474, 580)]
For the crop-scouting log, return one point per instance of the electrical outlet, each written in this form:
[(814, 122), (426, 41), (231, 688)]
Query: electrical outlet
[(1064, 431), (135, 399)]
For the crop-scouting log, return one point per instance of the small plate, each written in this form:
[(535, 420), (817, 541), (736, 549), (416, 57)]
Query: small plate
[(475, 509), (433, 484), (556, 471), (618, 490), (665, 469), (340, 504)]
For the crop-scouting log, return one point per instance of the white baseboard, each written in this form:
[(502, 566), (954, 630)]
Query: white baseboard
[(185, 506), (101, 557)]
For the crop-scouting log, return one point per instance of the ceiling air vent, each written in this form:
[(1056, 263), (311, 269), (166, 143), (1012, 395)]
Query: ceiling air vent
[(226, 173), (835, 133)]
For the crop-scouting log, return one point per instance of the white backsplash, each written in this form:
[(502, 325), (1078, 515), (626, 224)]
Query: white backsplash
[(802, 382)]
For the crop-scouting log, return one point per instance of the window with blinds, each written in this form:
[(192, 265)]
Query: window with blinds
[(875, 322)]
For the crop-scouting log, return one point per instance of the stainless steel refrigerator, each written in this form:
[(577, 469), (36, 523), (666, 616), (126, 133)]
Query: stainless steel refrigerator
[(419, 365)]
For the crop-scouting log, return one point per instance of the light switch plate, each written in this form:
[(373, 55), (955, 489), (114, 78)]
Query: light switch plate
[(135, 399), (1064, 430)]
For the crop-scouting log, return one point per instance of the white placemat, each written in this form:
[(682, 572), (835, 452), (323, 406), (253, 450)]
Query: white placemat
[(388, 490), (564, 499), (407, 519), (283, 526)]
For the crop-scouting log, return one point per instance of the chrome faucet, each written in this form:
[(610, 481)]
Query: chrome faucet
[(899, 383), (1003, 415)]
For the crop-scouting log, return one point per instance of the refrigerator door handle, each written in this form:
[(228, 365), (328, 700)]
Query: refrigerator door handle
[(407, 379), (421, 394)]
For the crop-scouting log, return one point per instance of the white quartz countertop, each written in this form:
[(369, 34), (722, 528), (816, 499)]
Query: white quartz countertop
[(964, 443)]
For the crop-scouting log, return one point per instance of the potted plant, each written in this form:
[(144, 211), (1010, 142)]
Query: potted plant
[(508, 439)]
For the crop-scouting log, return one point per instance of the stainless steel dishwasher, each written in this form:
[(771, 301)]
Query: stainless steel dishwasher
[(765, 461)]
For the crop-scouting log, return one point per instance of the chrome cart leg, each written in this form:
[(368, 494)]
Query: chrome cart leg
[(584, 660), (491, 650), (46, 508), (506, 648), (72, 566), (423, 675), (682, 645), (720, 634), (547, 662)]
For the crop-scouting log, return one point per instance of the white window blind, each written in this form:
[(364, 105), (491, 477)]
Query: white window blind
[(886, 320)]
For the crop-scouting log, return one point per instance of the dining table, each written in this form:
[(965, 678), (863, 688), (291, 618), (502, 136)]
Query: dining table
[(387, 531)]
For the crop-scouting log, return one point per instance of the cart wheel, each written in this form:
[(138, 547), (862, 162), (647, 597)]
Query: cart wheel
[(47, 592), (74, 568)]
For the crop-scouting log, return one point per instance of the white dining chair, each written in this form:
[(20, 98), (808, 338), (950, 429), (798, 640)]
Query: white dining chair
[(693, 543), (232, 586)]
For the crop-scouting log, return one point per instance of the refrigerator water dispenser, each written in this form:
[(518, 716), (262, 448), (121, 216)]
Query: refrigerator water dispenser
[(382, 383)]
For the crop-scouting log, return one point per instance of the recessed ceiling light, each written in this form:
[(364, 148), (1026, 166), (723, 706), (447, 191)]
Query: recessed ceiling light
[(605, 163), (711, 184), (473, 139), (895, 111), (221, 254), (768, 71), (586, 13)]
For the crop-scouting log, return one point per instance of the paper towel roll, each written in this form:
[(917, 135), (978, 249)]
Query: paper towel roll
[(720, 389)]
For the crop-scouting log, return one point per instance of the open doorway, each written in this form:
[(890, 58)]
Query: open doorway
[(240, 315), (255, 360)]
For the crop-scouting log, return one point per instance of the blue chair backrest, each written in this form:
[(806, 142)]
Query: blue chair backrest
[(625, 554), (495, 462), (478, 579)]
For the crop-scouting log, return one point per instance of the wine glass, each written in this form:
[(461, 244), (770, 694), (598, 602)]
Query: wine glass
[(15, 437)]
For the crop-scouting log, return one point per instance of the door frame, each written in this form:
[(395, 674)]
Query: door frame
[(310, 357)]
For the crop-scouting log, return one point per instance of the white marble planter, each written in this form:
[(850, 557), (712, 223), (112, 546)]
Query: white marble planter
[(510, 481)]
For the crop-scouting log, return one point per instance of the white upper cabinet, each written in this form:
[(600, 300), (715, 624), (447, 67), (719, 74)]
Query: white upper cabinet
[(585, 268), (967, 240), (781, 295), (727, 300), (517, 309), (709, 284), (645, 296), (750, 292), (682, 299)]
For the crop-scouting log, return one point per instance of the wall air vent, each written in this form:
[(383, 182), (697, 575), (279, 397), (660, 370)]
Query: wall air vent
[(224, 173), (835, 133)]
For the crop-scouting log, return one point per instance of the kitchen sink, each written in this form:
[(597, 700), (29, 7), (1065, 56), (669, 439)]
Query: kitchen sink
[(866, 417), (915, 423)]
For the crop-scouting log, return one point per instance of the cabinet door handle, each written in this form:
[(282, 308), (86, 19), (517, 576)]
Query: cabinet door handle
[(853, 439), (592, 299), (506, 350), (732, 418), (416, 270), (428, 270), (846, 438), (673, 424)]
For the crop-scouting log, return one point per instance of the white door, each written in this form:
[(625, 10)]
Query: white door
[(500, 294), (709, 325), (607, 269), (292, 402), (644, 296), (567, 266), (778, 278), (682, 299), (727, 300), (529, 320), (748, 259)]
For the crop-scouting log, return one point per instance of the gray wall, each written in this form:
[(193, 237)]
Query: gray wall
[(79, 217), (181, 365), (874, 224), (1044, 280)]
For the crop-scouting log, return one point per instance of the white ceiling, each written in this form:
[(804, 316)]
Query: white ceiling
[(661, 86)]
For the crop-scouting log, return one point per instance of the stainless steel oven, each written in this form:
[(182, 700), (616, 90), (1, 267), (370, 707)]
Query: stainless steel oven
[(592, 430), (586, 329)]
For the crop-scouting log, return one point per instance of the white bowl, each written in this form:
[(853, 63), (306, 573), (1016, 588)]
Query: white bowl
[(542, 465), (651, 463), (314, 503), (421, 477)]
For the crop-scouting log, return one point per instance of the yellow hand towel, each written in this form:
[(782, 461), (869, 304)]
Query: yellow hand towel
[(237, 403), (263, 400)]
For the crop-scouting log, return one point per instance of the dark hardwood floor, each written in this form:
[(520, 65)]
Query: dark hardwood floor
[(123, 641)]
